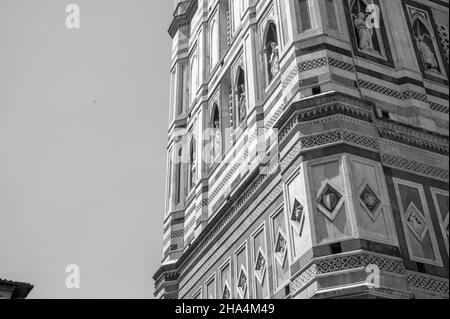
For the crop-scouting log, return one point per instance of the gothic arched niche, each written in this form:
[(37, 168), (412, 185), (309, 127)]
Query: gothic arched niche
[(368, 38), (424, 41), (215, 43), (192, 163), (216, 136), (194, 77), (272, 51), (178, 173), (241, 93)]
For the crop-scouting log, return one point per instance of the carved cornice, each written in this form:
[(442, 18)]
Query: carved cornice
[(413, 136), (333, 264), (320, 107), (184, 12)]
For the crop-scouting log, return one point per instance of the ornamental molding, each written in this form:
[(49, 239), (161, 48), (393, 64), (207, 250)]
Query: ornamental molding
[(407, 131), (384, 143), (332, 137), (184, 12), (317, 112), (415, 167), (316, 63), (429, 284), (414, 141), (353, 261)]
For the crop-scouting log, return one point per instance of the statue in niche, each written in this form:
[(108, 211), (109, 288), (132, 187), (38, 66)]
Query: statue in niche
[(193, 166), (274, 60), (365, 34), (217, 134), (194, 172), (428, 58), (242, 103)]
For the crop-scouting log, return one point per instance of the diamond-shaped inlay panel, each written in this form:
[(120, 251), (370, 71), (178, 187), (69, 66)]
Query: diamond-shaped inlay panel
[(260, 267), (281, 248), (329, 201), (370, 201), (242, 283), (416, 222), (226, 294), (298, 217)]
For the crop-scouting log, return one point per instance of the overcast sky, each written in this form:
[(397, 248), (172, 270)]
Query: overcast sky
[(83, 131)]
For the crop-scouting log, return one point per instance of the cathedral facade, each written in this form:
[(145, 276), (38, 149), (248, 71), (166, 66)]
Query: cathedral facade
[(308, 150)]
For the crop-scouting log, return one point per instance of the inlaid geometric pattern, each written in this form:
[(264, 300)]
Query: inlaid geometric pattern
[(416, 167), (298, 217), (260, 267), (242, 283), (443, 36), (281, 248), (405, 95), (370, 201), (338, 135), (341, 65), (380, 89), (416, 222), (226, 293), (177, 234), (439, 108), (312, 64), (419, 281), (329, 201), (343, 263)]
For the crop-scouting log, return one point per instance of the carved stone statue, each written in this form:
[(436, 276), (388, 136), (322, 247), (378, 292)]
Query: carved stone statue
[(428, 58), (193, 169), (217, 138), (274, 60), (242, 103), (365, 34)]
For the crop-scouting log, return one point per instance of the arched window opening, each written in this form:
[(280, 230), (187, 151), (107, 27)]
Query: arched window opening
[(272, 52), (241, 93), (425, 45)]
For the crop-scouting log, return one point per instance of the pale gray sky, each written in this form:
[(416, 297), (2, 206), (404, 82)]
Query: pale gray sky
[(83, 131)]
